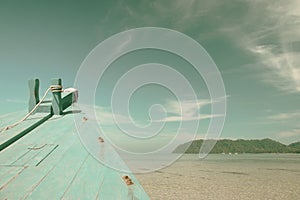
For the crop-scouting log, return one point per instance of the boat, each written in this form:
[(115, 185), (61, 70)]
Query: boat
[(42, 156)]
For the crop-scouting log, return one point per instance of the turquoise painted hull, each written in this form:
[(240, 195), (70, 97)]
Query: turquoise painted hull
[(50, 162)]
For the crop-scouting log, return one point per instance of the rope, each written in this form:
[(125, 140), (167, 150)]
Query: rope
[(53, 88)]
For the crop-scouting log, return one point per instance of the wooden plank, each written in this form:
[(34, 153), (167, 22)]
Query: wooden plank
[(11, 173), (36, 155), (69, 171), (87, 181), (113, 182), (45, 154), (9, 139), (24, 132), (34, 85), (53, 131), (5, 135), (33, 175), (57, 180), (10, 118), (22, 160), (56, 97), (11, 154)]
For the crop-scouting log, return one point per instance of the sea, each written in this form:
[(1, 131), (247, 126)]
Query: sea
[(224, 176)]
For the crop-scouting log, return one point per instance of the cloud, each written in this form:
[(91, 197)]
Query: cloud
[(189, 118), (176, 14), (284, 116), (272, 43), (190, 107), (16, 101), (265, 29), (177, 111), (103, 114), (286, 134), (282, 69), (187, 110)]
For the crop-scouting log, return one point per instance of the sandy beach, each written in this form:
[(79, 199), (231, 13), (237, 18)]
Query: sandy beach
[(247, 176)]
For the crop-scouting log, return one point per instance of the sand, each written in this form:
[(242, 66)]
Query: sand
[(260, 176)]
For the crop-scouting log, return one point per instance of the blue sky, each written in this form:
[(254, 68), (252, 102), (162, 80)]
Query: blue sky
[(255, 44)]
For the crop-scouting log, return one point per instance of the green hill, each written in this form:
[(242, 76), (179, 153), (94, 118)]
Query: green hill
[(295, 145), (241, 146)]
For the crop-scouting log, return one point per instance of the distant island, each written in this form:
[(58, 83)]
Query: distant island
[(240, 146)]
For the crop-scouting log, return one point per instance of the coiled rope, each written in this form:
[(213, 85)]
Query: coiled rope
[(53, 88)]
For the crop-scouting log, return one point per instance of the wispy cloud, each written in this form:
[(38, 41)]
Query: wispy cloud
[(176, 111), (286, 134), (282, 69), (265, 29), (287, 119), (272, 43), (284, 116), (190, 107), (16, 101), (187, 111), (103, 114), (188, 118)]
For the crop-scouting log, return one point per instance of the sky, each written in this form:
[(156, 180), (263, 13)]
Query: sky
[(254, 43)]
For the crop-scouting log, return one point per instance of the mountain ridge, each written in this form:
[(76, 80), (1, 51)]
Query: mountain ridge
[(228, 146)]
